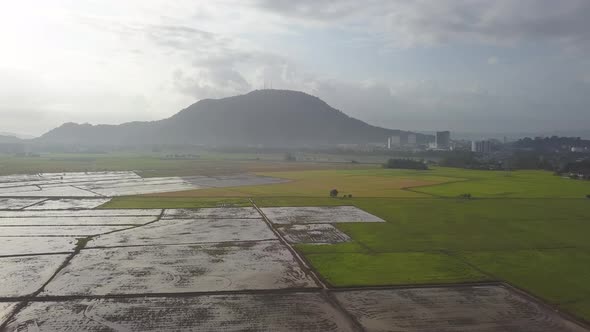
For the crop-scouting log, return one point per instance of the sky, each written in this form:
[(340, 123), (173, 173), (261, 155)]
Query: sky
[(462, 65)]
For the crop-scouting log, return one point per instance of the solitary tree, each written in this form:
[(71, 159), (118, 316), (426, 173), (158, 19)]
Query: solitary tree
[(333, 193)]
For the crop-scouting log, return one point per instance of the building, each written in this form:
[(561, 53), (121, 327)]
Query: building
[(443, 140), (481, 146), (394, 141), (411, 139)]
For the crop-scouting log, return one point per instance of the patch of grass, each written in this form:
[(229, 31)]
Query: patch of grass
[(392, 269), (143, 202), (579, 308), (496, 184), (455, 225), (558, 276)]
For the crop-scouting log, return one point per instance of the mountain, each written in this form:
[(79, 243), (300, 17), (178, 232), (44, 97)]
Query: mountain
[(9, 139), (20, 136), (267, 117)]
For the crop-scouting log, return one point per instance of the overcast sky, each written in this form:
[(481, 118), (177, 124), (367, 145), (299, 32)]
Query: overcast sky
[(477, 65)]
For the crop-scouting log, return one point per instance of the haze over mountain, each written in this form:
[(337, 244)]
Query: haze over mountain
[(261, 117)]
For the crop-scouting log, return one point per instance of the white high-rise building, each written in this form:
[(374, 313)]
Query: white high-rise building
[(411, 139), (393, 141), (481, 146)]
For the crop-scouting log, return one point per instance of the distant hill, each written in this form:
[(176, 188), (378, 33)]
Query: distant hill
[(267, 117), (9, 139)]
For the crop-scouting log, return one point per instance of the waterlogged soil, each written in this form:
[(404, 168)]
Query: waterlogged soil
[(180, 268), (17, 203), (179, 231), (110, 184), (451, 309), (313, 234), (35, 245), (77, 231), (69, 204), (5, 309), (72, 221), (22, 276), (82, 213), (244, 312), (213, 213), (318, 215)]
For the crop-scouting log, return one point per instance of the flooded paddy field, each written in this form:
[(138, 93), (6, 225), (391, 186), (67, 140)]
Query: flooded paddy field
[(313, 234), (23, 275), (188, 231), (68, 204), (110, 184), (12, 246), (76, 220), (18, 203), (213, 213), (240, 312), (180, 269), (318, 215), (453, 309), (81, 213), (77, 231)]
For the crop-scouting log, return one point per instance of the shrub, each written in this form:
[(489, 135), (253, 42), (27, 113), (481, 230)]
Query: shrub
[(465, 196), (290, 157), (405, 164)]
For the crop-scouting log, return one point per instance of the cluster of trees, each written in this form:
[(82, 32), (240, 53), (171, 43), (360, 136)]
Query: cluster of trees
[(553, 143), (406, 164), (579, 168)]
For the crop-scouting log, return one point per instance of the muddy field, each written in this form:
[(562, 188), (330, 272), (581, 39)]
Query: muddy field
[(318, 215), (188, 231), (68, 204), (11, 246), (22, 276), (213, 213), (17, 203), (180, 269), (81, 213), (313, 234), (242, 312), (467, 308)]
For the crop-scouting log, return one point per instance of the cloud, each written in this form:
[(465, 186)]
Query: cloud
[(493, 60), (422, 22)]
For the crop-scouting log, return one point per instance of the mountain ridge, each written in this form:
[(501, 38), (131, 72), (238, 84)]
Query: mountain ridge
[(261, 117)]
